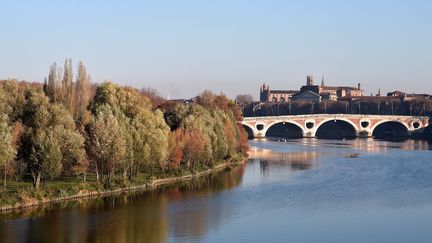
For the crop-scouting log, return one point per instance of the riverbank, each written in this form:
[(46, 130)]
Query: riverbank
[(151, 184)]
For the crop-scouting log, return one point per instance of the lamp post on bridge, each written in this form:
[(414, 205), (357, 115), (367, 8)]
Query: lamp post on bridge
[(289, 108), (278, 108), (256, 107)]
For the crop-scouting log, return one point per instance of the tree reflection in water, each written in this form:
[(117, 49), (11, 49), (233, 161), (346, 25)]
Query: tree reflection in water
[(133, 217), (283, 180)]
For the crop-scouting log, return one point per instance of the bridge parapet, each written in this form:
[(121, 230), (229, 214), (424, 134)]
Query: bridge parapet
[(364, 125)]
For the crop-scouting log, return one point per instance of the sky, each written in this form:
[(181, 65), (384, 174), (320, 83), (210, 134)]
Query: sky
[(232, 46)]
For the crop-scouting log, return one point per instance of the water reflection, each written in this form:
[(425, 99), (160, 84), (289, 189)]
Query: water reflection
[(297, 160), (137, 217), (364, 144), (299, 190)]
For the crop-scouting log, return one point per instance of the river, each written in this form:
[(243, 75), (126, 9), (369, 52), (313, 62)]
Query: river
[(304, 190)]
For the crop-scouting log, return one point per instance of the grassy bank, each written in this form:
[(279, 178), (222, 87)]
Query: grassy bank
[(19, 195)]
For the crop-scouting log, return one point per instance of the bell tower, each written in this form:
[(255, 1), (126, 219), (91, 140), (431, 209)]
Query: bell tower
[(309, 80), (264, 92)]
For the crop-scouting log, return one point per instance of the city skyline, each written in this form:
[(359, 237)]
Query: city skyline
[(226, 46)]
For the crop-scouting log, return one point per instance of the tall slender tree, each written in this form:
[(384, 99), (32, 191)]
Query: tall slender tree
[(67, 84), (82, 93), (53, 86)]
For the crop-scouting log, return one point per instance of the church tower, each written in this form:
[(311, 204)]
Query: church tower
[(264, 92), (309, 80)]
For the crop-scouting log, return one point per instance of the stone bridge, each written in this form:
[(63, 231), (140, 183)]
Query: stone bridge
[(334, 125)]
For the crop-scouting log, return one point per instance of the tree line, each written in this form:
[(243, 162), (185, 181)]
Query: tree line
[(70, 127)]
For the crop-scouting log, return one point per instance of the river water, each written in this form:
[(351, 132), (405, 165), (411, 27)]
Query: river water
[(304, 190)]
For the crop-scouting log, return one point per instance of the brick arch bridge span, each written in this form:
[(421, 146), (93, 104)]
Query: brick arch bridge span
[(364, 125)]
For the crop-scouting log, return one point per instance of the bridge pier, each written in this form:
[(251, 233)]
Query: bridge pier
[(309, 135), (259, 135)]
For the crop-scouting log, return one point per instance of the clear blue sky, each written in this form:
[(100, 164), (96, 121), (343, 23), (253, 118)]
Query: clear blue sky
[(183, 47)]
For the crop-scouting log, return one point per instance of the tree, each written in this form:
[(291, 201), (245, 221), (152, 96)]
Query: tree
[(74, 161), (199, 120), (244, 100), (154, 96), (5, 108), (145, 130), (45, 156), (68, 85), (17, 168), (107, 143), (220, 143), (126, 100), (150, 139), (195, 148), (206, 99), (221, 102), (176, 148), (53, 86), (7, 151), (12, 99), (51, 144), (82, 93), (127, 163)]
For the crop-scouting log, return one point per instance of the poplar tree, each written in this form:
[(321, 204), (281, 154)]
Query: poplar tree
[(67, 84), (53, 86), (82, 93)]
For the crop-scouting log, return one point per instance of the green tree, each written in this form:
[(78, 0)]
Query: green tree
[(127, 162), (51, 142), (45, 156), (126, 100), (150, 139), (107, 143), (5, 108), (12, 99), (7, 150)]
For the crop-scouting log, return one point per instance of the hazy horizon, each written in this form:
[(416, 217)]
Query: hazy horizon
[(182, 48)]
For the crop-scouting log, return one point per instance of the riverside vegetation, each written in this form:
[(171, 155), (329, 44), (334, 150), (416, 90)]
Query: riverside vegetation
[(68, 136)]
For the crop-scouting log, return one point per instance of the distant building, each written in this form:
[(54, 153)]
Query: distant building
[(310, 92), (307, 96), (331, 92), (396, 94), (275, 95), (406, 97)]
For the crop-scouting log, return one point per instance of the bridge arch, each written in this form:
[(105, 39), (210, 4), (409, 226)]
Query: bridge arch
[(336, 128), (249, 130), (390, 129), (284, 129)]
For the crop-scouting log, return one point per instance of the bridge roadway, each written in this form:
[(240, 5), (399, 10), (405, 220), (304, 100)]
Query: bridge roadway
[(309, 125)]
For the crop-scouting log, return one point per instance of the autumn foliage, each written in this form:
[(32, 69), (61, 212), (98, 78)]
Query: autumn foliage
[(69, 127)]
